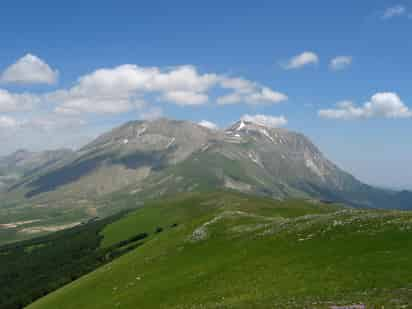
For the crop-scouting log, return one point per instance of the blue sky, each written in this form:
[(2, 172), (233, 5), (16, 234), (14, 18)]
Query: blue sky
[(271, 58)]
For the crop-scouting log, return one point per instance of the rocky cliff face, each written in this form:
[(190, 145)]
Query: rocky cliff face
[(289, 155)]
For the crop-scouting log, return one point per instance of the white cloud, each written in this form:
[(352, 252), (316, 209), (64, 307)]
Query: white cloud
[(52, 123), (46, 131), (104, 91), (152, 113), (304, 59), (340, 63), (130, 78), (266, 95), (8, 122), (245, 91), (185, 97), (262, 96), (11, 102), (381, 105), (120, 89), (239, 84), (48, 122), (345, 110), (266, 120), (182, 78), (232, 98), (123, 88), (30, 69), (395, 11), (208, 124), (75, 105)]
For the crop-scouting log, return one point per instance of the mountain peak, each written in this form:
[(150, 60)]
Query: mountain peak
[(20, 153), (248, 155), (243, 125)]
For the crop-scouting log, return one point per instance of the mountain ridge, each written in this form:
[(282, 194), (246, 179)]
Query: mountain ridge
[(146, 160), (23, 163), (141, 150)]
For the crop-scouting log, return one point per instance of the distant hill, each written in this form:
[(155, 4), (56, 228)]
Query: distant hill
[(23, 163)]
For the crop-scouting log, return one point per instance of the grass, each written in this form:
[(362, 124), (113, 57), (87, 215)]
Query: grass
[(45, 216), (33, 268), (254, 253), (185, 207)]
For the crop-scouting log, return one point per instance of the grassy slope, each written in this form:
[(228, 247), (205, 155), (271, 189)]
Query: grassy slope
[(198, 206), (33, 268), (268, 255)]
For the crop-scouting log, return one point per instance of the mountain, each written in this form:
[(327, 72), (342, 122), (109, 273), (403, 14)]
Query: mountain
[(126, 155), (150, 159), (23, 163)]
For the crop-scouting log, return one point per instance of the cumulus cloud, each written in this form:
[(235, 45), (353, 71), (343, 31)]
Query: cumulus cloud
[(340, 63), (266, 95), (11, 102), (130, 78), (183, 78), (46, 131), (395, 11), (345, 110), (208, 124), (266, 120), (48, 122), (76, 105), (304, 59), (152, 113), (239, 84), (245, 91), (52, 123), (381, 105), (232, 98), (123, 88), (8, 122), (30, 69), (185, 97)]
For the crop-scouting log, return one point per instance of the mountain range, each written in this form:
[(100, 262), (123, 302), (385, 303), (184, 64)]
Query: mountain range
[(22, 163), (151, 159)]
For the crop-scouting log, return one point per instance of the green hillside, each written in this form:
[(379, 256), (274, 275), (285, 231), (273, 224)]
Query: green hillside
[(147, 160), (227, 250)]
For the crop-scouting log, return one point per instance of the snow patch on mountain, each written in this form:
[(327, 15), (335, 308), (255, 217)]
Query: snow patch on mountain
[(265, 133), (241, 126)]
